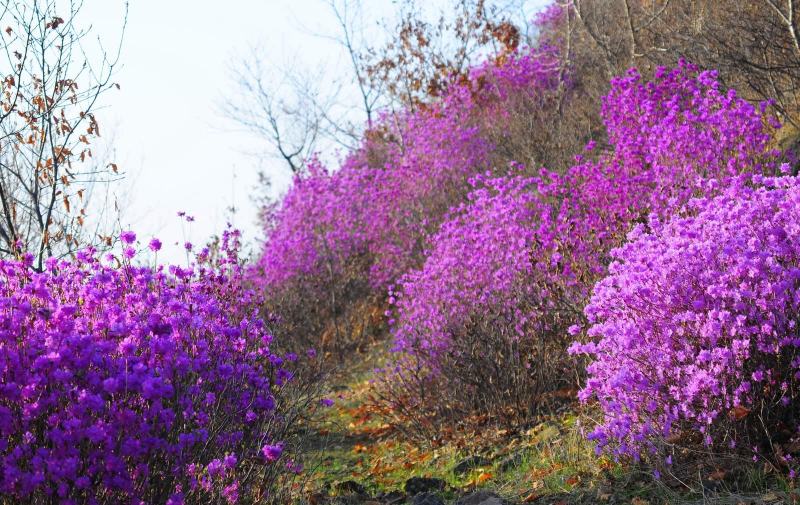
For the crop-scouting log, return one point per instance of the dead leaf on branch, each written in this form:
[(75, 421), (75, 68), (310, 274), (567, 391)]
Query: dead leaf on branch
[(738, 413)]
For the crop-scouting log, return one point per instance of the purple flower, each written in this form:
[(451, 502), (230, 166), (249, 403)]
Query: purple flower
[(155, 245), (230, 461), (176, 499), (702, 341), (272, 452), (128, 237), (231, 492), (118, 355), (215, 468)]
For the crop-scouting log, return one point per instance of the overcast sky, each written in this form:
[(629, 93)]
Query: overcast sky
[(177, 152)]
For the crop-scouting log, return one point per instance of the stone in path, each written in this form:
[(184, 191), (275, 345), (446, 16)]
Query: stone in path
[(482, 498), (416, 485), (427, 499)]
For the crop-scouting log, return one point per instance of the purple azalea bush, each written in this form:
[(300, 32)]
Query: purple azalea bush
[(126, 383), (354, 231), (391, 192), (524, 252), (489, 263), (480, 255), (695, 328)]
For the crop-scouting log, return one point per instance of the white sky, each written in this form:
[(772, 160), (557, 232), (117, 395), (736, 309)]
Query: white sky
[(177, 151)]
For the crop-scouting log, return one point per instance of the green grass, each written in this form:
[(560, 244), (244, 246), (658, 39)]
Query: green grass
[(555, 464)]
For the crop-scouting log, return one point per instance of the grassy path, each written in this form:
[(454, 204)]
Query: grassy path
[(361, 459)]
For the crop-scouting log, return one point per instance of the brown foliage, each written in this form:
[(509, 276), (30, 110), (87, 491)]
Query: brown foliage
[(425, 56), (48, 95), (345, 319)]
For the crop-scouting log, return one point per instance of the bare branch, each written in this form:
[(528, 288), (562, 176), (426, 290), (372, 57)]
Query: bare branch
[(50, 90)]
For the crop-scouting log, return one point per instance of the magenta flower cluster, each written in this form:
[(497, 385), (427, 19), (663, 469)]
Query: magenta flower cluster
[(479, 257), (125, 383), (380, 206), (682, 127), (697, 322), (527, 250)]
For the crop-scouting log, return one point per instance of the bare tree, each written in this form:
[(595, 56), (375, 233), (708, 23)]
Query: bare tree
[(349, 16), (425, 55), (283, 111), (398, 63), (50, 90), (755, 46), (286, 105)]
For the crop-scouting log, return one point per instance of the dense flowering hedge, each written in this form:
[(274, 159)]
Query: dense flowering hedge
[(697, 323), (527, 250), (339, 238), (123, 382), (392, 192), (318, 224), (489, 267), (487, 242), (681, 127)]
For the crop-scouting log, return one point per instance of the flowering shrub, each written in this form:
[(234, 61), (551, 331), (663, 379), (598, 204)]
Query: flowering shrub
[(385, 206), (696, 324), (124, 382), (318, 224), (344, 236), (508, 273), (682, 127), (465, 317), (487, 241)]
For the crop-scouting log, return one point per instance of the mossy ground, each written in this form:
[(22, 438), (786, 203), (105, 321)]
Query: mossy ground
[(550, 462)]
